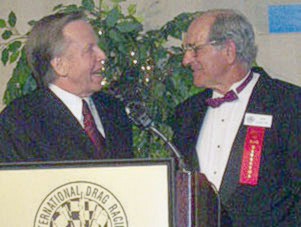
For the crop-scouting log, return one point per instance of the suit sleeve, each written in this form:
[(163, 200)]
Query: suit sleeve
[(286, 205), (294, 165), (8, 151), (15, 143)]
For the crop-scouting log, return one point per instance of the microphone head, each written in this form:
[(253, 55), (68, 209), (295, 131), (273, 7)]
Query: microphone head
[(138, 114), (130, 94)]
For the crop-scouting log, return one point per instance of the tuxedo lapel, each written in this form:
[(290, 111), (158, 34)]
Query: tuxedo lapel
[(191, 116), (258, 104)]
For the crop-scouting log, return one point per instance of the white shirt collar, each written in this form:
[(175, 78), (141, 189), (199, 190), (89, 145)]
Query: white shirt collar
[(73, 102), (233, 87)]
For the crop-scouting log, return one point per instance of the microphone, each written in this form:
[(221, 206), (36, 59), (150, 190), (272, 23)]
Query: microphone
[(137, 112)]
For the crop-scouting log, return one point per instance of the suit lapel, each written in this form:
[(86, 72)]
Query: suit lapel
[(105, 116), (191, 127), (69, 127), (258, 103)]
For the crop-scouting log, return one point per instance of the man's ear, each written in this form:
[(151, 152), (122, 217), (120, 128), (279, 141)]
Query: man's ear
[(230, 51), (60, 66)]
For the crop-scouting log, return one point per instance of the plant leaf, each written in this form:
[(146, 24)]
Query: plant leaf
[(159, 88), (16, 83), (88, 4), (6, 34), (116, 36), (123, 48), (2, 23), (57, 7), (112, 18), (29, 85), (14, 46), (32, 22), (12, 19), (132, 9), (4, 56), (117, 1), (71, 9), (100, 2), (129, 26), (14, 56)]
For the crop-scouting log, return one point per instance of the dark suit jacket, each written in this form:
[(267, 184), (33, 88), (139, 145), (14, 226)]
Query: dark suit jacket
[(275, 201), (39, 127)]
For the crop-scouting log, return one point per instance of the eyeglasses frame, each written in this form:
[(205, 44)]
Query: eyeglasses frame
[(196, 48)]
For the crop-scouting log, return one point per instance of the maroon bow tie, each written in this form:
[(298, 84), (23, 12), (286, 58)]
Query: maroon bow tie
[(230, 95), (216, 102)]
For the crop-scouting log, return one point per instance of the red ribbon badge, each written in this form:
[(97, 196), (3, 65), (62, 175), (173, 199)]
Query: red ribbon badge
[(251, 157)]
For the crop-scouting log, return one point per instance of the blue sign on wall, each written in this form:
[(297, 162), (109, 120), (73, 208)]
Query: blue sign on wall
[(285, 18)]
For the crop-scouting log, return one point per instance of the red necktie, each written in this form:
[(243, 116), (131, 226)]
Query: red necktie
[(92, 131)]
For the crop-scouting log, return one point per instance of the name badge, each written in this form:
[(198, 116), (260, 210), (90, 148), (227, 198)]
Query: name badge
[(258, 120)]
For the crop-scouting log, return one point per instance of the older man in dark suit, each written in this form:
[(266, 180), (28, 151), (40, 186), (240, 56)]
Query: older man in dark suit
[(243, 131), (67, 117)]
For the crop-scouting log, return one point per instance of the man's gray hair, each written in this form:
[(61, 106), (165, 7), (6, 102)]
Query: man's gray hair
[(46, 41), (232, 25)]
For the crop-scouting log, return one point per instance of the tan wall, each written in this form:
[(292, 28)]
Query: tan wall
[(279, 54)]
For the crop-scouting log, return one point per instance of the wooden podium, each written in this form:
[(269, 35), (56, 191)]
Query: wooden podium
[(127, 193), (197, 203), (110, 193)]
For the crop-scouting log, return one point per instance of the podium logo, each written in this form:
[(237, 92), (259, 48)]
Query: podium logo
[(81, 204)]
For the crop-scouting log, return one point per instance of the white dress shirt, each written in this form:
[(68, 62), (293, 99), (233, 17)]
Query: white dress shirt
[(74, 104), (219, 130)]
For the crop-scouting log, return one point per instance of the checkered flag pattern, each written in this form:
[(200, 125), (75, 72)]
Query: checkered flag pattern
[(80, 213)]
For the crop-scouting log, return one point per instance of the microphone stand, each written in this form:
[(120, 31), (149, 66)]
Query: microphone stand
[(182, 167), (136, 111), (138, 114)]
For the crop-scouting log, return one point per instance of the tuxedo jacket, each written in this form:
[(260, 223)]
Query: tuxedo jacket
[(275, 200), (39, 127)]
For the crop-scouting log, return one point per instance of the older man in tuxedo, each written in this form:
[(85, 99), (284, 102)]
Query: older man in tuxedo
[(67, 117), (243, 130)]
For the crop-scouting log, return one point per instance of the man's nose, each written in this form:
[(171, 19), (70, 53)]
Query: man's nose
[(100, 54), (187, 58)]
